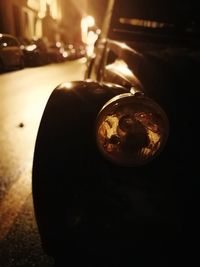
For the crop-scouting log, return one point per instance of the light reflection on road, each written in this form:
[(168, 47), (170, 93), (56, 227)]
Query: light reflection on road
[(23, 96)]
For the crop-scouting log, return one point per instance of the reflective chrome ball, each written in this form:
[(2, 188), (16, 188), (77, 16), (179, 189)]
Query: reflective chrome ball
[(131, 129)]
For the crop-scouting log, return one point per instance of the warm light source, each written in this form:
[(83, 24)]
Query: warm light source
[(90, 21), (89, 36), (86, 22), (41, 7)]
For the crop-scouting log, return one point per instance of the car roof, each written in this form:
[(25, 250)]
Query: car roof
[(7, 35), (127, 18)]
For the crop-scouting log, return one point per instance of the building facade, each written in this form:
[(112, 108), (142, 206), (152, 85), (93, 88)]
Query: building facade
[(54, 20)]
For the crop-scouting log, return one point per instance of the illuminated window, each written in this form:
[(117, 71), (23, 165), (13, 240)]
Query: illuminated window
[(41, 7)]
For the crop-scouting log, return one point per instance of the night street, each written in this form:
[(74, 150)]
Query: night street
[(99, 133), (23, 96)]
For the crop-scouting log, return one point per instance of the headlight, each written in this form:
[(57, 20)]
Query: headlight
[(131, 129)]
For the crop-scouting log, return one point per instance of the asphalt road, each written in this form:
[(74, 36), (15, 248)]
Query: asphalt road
[(23, 96)]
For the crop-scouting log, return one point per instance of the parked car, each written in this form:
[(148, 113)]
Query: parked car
[(11, 56), (75, 51), (114, 180), (43, 50), (33, 57), (57, 52), (51, 52)]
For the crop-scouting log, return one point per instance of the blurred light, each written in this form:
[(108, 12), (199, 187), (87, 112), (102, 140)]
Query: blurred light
[(90, 21), (31, 47), (98, 31), (86, 22), (41, 6), (91, 39), (41, 14), (144, 23), (70, 46), (33, 4), (58, 44), (84, 29), (121, 66), (65, 54)]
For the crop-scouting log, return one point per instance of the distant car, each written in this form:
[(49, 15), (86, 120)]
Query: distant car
[(50, 52), (33, 57), (56, 52), (75, 51), (114, 180), (80, 50), (11, 56), (42, 49)]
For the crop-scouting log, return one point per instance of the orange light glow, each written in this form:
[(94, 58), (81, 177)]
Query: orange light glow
[(86, 22), (41, 7), (121, 66), (144, 23)]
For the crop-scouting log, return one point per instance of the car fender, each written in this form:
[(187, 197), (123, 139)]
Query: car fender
[(82, 201), (65, 146)]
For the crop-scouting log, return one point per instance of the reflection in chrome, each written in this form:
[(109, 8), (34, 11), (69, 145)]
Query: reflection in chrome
[(132, 130), (144, 23), (121, 66)]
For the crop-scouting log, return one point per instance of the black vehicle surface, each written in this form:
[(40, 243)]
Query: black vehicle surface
[(114, 171), (33, 57), (11, 56)]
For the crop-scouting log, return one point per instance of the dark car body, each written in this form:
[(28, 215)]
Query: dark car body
[(47, 55), (75, 51), (11, 56), (33, 57), (94, 211)]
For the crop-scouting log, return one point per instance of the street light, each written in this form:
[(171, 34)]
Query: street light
[(90, 21), (89, 35), (86, 22)]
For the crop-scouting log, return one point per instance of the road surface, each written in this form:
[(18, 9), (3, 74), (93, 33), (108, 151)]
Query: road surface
[(23, 96)]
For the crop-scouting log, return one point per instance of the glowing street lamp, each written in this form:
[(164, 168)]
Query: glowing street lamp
[(86, 22), (89, 37), (90, 21)]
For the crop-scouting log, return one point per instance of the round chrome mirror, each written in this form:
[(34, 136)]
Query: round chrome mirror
[(131, 129)]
